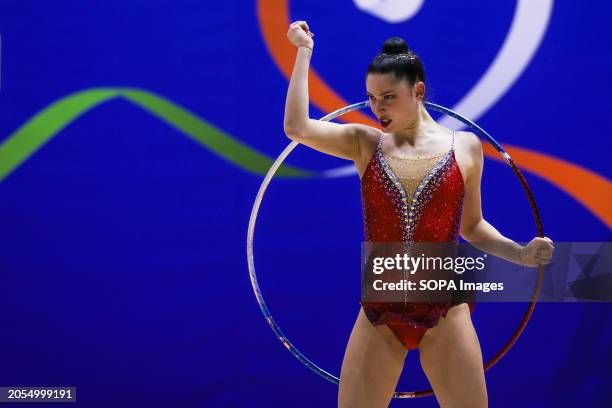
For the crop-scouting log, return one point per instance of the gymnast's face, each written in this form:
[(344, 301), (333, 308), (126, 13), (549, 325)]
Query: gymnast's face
[(394, 102)]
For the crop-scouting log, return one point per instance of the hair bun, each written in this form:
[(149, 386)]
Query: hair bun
[(395, 45)]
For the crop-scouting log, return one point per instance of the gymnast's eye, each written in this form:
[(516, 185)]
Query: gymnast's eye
[(388, 97)]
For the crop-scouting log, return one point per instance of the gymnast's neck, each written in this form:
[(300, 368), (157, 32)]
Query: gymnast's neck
[(419, 130)]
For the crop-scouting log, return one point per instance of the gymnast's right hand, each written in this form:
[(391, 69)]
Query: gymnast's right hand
[(300, 35)]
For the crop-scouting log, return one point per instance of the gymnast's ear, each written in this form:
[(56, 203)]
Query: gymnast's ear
[(419, 89)]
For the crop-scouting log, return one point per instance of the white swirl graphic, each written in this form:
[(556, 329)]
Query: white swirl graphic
[(531, 18), (391, 11)]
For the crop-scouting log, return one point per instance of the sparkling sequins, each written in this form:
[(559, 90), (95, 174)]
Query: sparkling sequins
[(431, 214), (429, 183)]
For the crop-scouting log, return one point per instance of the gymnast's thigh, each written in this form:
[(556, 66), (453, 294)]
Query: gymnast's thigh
[(452, 360), (371, 367)]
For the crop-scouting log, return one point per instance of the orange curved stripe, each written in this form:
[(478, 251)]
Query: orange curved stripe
[(585, 186), (592, 190), (274, 21)]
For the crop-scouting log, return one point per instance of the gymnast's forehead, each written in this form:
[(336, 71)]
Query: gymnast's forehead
[(379, 84)]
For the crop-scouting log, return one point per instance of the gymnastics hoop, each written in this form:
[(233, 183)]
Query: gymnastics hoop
[(251, 233)]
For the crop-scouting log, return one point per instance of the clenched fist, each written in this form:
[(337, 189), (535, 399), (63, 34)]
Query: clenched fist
[(300, 35), (537, 252)]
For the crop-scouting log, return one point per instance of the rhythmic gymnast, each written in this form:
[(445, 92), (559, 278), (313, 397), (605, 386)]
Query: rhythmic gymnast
[(420, 182)]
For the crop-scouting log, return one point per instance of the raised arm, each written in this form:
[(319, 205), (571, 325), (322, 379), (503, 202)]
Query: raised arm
[(340, 140)]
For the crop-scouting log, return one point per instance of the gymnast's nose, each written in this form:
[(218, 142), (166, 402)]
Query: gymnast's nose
[(374, 105)]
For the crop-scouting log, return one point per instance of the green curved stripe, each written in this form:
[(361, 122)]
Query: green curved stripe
[(47, 123)]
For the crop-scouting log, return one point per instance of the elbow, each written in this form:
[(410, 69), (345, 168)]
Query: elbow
[(467, 234), (292, 131), (468, 231)]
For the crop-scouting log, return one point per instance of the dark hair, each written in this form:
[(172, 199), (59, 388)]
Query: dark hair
[(398, 59)]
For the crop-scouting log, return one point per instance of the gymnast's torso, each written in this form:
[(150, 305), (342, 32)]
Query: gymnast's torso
[(416, 199), (412, 199)]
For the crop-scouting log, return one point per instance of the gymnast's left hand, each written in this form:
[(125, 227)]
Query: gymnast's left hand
[(537, 252)]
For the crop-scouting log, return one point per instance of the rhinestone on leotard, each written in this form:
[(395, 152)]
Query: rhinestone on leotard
[(432, 214)]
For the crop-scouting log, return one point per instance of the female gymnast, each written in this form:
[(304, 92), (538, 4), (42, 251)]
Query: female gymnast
[(399, 207)]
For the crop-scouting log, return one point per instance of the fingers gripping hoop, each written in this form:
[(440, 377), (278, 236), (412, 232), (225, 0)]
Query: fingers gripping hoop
[(251, 233)]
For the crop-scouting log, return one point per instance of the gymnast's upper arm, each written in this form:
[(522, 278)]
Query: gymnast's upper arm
[(472, 208), (340, 140)]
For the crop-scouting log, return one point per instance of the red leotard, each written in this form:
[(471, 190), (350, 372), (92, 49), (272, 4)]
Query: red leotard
[(411, 200)]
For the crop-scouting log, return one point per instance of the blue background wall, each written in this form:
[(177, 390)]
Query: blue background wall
[(122, 257)]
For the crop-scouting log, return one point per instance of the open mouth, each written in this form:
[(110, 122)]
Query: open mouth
[(385, 122)]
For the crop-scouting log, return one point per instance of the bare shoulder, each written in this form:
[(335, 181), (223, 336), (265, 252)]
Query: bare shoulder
[(468, 142), (469, 154), (368, 137), (367, 141)]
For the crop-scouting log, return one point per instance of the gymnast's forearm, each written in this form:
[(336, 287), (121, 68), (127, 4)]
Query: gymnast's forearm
[(488, 239), (296, 105)]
